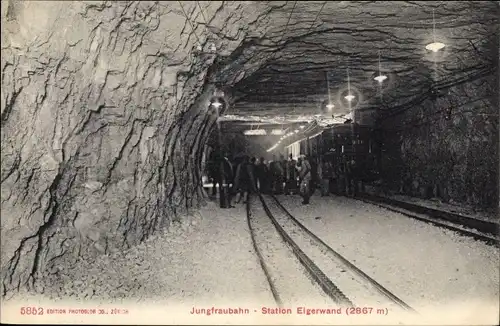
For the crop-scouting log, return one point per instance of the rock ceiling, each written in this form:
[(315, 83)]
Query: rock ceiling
[(304, 42)]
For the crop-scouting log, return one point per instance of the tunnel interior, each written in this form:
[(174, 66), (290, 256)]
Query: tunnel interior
[(106, 108)]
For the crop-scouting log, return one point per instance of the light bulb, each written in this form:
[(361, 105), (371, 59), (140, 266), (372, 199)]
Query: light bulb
[(330, 106), (302, 127)]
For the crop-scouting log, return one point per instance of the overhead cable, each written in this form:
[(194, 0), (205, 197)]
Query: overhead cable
[(317, 15), (289, 17)]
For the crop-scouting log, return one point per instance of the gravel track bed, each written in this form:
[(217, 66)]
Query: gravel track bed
[(208, 258), (292, 282), (431, 219), (463, 209), (357, 290), (424, 265)]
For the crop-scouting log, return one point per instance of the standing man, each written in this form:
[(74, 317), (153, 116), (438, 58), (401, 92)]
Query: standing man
[(349, 174), (343, 178), (277, 176), (272, 174), (282, 178), (304, 169), (291, 176), (261, 172), (228, 178), (326, 174), (244, 181), (253, 164), (354, 177)]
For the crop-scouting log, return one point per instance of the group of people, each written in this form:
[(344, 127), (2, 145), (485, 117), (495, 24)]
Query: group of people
[(245, 175)]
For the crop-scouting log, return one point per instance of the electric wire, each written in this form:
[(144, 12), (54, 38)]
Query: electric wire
[(288, 22), (316, 18)]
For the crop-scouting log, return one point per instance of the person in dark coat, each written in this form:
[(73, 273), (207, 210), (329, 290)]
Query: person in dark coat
[(325, 171), (304, 169), (291, 176), (223, 176), (253, 163), (261, 172), (277, 172), (272, 172), (314, 183), (245, 180), (228, 178)]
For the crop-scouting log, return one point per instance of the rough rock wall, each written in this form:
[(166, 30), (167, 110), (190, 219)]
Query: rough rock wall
[(455, 160), (103, 120)]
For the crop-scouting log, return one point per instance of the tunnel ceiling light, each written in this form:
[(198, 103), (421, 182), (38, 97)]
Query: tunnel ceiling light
[(349, 97), (297, 130), (380, 78), (434, 46), (277, 132), (302, 127), (216, 104), (329, 106), (255, 132)]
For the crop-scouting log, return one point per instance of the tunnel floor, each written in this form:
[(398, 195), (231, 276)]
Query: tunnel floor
[(210, 258)]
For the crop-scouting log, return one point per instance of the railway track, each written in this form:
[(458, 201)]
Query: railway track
[(340, 280), (284, 268), (484, 231)]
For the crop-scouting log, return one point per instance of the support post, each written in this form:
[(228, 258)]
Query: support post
[(222, 178)]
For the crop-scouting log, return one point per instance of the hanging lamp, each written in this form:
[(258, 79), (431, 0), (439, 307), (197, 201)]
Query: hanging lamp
[(434, 46), (380, 78), (349, 97), (330, 105)]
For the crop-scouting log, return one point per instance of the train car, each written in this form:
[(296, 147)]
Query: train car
[(347, 143)]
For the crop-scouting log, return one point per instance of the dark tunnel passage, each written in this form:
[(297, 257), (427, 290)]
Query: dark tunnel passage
[(105, 110)]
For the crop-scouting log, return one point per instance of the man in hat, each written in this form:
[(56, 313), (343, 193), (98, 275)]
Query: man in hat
[(304, 169), (291, 176)]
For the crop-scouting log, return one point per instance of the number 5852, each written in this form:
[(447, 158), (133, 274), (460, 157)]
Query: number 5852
[(31, 311)]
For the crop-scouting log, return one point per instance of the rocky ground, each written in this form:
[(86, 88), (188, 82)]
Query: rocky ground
[(200, 259)]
